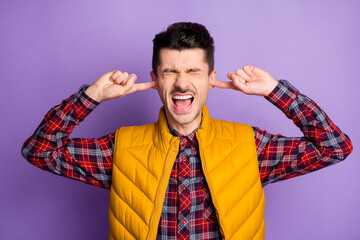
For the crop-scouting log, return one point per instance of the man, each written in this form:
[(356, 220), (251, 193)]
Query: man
[(186, 176)]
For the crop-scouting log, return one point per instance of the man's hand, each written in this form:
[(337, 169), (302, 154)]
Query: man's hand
[(115, 84), (249, 80)]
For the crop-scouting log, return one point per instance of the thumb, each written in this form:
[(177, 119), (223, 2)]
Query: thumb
[(235, 78), (130, 83)]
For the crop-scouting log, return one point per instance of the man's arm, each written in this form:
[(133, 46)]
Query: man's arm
[(281, 157), (323, 143), (86, 160), (49, 148)]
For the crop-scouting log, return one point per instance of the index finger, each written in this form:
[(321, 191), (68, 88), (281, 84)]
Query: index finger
[(222, 84), (144, 86)]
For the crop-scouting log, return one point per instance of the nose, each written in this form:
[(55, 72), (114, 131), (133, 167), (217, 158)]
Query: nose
[(181, 82)]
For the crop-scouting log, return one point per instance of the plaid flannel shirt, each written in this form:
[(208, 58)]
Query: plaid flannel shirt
[(279, 157), (188, 211)]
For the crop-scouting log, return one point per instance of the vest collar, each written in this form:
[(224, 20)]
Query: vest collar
[(162, 137), (205, 134)]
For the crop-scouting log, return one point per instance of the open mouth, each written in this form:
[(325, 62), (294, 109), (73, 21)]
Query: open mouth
[(183, 102)]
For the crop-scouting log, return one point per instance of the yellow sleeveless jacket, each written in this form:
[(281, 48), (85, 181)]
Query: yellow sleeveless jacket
[(142, 162)]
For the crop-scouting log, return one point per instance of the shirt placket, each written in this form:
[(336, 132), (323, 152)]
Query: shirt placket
[(183, 190)]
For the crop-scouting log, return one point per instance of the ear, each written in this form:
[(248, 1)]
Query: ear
[(212, 78), (154, 79)]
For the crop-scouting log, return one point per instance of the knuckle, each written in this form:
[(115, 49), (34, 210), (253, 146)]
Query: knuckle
[(116, 73), (125, 74)]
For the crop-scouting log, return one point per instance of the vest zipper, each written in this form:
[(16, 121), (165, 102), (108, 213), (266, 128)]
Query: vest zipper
[(210, 189), (169, 162)]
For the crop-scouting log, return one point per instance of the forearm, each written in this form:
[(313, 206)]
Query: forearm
[(323, 143), (50, 148)]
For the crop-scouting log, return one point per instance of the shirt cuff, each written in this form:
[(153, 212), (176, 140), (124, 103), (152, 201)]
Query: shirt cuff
[(283, 95), (83, 105)]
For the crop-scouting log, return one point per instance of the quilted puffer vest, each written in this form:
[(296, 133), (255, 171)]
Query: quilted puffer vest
[(142, 162)]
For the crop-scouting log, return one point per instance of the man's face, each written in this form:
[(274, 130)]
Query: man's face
[(183, 83)]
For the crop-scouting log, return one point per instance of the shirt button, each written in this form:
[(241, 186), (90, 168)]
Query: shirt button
[(183, 187), (184, 159), (183, 221)]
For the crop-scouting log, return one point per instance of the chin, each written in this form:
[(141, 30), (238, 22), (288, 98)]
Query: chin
[(185, 118)]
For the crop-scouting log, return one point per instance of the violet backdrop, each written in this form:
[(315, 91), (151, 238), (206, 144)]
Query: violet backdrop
[(50, 48)]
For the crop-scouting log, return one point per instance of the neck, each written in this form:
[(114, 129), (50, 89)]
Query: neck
[(184, 129)]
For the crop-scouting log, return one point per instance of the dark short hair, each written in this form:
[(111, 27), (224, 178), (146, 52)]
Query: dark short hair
[(184, 35)]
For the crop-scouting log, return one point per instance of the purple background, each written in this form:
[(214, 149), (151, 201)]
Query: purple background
[(50, 48)]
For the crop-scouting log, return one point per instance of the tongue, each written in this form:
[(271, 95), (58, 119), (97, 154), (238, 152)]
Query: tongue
[(182, 103)]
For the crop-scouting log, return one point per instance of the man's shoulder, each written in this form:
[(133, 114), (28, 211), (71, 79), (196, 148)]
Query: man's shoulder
[(132, 134), (219, 123), (231, 130), (146, 125)]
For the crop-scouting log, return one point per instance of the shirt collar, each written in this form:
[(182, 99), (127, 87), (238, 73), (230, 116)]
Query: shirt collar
[(191, 136)]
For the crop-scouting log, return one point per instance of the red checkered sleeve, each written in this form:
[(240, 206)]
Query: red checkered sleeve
[(85, 160), (323, 143)]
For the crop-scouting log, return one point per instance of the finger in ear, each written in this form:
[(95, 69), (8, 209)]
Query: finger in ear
[(154, 79), (155, 85)]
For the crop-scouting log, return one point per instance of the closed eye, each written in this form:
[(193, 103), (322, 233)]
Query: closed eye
[(169, 70), (193, 70)]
